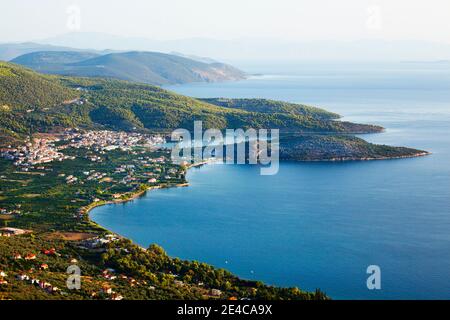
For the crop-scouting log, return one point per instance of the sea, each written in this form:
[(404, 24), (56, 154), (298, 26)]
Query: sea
[(320, 225)]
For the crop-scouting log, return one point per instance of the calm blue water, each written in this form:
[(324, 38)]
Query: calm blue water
[(321, 224)]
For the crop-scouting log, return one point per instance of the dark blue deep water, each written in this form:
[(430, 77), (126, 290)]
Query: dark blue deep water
[(319, 225)]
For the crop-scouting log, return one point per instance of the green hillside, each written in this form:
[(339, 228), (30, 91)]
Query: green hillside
[(338, 148), (22, 88), (272, 106), (33, 102), (146, 67), (119, 105), (148, 107)]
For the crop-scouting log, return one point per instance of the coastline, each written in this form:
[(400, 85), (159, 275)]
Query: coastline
[(416, 155), (142, 192), (130, 196)]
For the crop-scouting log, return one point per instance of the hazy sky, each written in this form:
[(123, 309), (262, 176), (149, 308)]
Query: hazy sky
[(297, 20)]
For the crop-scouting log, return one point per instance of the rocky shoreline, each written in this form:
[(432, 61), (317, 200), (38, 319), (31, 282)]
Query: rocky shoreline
[(416, 155), (129, 197)]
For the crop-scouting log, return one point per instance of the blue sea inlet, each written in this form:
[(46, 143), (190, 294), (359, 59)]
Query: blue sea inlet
[(320, 225)]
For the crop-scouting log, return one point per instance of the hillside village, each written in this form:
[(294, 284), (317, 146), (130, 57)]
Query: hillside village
[(47, 188), (44, 150), (93, 168), (117, 163), (35, 268)]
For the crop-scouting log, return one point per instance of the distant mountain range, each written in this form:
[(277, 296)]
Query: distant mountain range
[(147, 67), (9, 51), (194, 57), (240, 50)]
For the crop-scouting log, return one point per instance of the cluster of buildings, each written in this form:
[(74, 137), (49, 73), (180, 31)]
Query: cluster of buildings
[(94, 158), (35, 152), (7, 212), (108, 291), (125, 168), (9, 232), (94, 175), (46, 286), (77, 101), (98, 242), (129, 178), (110, 140), (43, 150), (129, 170), (22, 276), (71, 179), (110, 274), (90, 176)]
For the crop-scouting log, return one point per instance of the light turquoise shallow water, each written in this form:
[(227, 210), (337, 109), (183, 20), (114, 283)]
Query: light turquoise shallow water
[(321, 224)]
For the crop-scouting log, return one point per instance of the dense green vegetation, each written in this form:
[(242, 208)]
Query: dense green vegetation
[(146, 67), (21, 89), (338, 148), (272, 106), (140, 274), (160, 109), (30, 102), (51, 197), (55, 213)]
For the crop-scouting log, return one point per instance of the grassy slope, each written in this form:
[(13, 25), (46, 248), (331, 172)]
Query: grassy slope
[(22, 88)]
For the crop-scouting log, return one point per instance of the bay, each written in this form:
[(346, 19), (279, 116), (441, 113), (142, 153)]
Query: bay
[(320, 225)]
